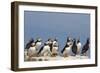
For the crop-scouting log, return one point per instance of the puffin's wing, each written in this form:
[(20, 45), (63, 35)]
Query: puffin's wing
[(41, 49), (63, 49)]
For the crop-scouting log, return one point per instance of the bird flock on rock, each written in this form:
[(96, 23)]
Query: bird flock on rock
[(50, 48)]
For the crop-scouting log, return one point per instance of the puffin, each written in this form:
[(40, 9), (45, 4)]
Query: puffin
[(32, 50), (86, 47), (74, 48), (38, 43), (45, 50), (54, 48), (67, 48), (29, 43), (79, 45)]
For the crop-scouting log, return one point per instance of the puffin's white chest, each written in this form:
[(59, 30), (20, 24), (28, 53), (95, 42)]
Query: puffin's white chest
[(46, 51), (67, 50), (46, 48), (79, 45), (54, 49), (78, 48), (38, 44), (32, 49)]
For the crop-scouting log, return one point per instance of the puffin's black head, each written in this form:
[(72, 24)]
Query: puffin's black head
[(74, 41), (31, 40), (55, 39), (88, 40), (49, 39), (68, 40), (78, 40)]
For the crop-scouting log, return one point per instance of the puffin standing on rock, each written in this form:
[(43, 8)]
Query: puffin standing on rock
[(67, 48), (54, 48), (28, 45), (45, 50), (85, 47), (32, 52), (78, 46), (38, 43), (74, 48)]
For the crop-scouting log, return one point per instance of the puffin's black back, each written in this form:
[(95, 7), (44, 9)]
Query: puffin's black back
[(74, 47)]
